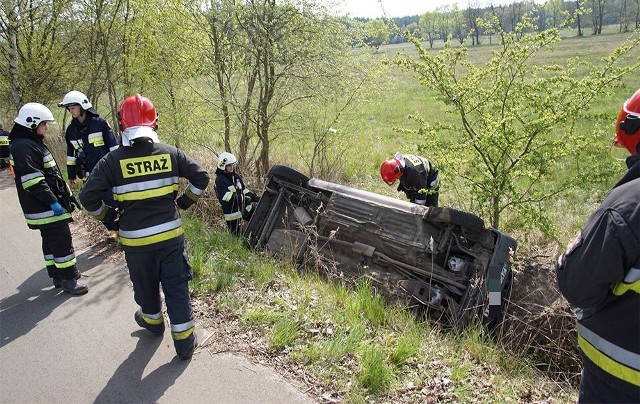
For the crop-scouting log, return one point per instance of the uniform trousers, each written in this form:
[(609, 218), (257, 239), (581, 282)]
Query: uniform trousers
[(57, 248)]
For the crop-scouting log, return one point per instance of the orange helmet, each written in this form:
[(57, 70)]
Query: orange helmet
[(628, 125), (137, 111), (390, 170)]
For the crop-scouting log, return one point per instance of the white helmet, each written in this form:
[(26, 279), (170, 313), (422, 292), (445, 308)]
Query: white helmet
[(32, 113), (75, 97), (226, 158)]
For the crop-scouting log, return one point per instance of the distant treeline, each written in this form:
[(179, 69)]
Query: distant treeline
[(585, 17)]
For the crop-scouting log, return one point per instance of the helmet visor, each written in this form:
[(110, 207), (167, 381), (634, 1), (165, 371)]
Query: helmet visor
[(618, 151)]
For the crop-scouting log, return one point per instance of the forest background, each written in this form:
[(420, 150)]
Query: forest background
[(515, 103)]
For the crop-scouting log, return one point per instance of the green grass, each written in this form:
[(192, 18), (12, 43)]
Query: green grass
[(350, 339)]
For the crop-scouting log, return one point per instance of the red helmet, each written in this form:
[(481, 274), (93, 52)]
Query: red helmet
[(628, 125), (137, 111), (390, 170)]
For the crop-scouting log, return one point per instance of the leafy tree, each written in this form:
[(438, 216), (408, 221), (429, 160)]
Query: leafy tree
[(378, 33), (429, 27), (34, 49), (555, 15), (97, 31), (503, 149), (579, 12), (166, 63), (267, 60), (459, 24), (473, 14), (597, 15)]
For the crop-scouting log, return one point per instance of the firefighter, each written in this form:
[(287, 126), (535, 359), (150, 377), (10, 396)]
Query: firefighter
[(236, 200), (419, 178), (89, 137), (45, 199), (599, 274), (144, 175), (4, 148)]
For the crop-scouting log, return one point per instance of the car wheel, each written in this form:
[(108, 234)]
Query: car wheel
[(287, 174), (452, 216)]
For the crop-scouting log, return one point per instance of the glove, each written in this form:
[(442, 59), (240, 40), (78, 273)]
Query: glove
[(57, 208), (112, 214), (183, 202)]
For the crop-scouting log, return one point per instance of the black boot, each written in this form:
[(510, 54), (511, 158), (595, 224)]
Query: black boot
[(156, 329), (72, 286), (185, 348), (57, 282)]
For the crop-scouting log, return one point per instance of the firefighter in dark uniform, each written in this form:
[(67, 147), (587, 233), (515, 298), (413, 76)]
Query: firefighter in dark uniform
[(4, 148), (144, 176), (45, 199), (419, 178), (599, 274), (88, 138), (236, 200)]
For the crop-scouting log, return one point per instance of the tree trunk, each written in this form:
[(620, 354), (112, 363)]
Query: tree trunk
[(578, 18), (16, 93)]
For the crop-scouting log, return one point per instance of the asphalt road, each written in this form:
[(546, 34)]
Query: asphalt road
[(58, 348)]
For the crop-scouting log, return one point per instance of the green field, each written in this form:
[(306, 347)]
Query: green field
[(373, 131)]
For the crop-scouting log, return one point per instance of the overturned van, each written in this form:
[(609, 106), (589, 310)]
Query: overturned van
[(436, 260)]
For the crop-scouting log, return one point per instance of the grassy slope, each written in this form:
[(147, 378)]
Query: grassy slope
[(351, 346), (355, 346)]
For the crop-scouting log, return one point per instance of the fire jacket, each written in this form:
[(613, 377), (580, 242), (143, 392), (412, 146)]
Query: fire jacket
[(4, 146), (599, 274), (233, 195), (420, 177), (87, 142), (38, 179), (145, 181)]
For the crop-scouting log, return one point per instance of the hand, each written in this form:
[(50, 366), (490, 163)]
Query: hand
[(72, 182), (57, 208), (182, 202)]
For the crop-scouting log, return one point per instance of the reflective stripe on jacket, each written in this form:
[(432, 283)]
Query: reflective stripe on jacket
[(231, 192), (37, 177), (420, 177), (145, 181), (94, 136), (599, 274)]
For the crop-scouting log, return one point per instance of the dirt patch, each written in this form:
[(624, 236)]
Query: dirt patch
[(540, 323)]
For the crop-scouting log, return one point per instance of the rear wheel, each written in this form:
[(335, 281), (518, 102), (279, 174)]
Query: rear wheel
[(279, 173), (452, 216)]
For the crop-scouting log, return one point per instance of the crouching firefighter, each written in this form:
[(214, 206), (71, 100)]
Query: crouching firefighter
[(236, 200), (45, 199), (144, 176)]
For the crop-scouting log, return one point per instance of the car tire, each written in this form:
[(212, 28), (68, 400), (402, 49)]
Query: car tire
[(287, 174), (447, 215)]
